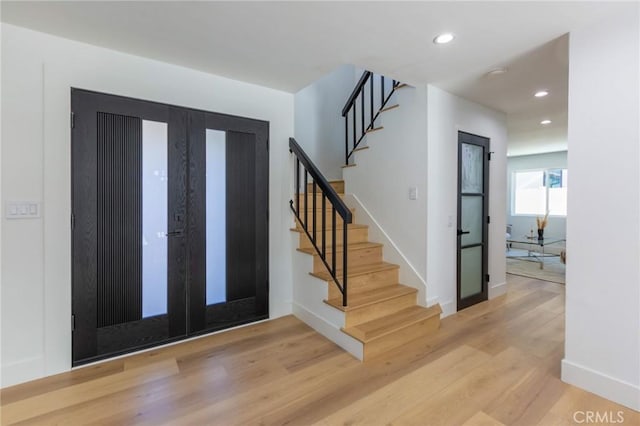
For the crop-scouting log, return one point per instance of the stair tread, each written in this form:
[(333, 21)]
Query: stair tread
[(357, 270), (319, 225), (369, 297), (352, 246), (377, 328), (389, 108)]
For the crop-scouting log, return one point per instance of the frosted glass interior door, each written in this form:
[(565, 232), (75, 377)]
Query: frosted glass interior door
[(472, 219)]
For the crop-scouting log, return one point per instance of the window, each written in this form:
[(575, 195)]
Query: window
[(536, 192)]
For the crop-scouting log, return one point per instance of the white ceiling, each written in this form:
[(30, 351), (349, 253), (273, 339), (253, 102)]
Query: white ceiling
[(287, 45), (543, 68)]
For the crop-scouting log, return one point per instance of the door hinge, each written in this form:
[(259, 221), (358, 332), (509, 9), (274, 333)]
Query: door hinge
[(73, 322), (267, 214), (73, 221), (488, 219), (73, 120), (267, 144), (487, 276), (489, 155)]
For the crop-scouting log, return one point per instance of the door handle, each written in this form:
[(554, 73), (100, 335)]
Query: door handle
[(176, 233), (461, 232)]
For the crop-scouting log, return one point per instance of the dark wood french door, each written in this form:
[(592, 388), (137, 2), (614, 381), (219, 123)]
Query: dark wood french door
[(169, 225)]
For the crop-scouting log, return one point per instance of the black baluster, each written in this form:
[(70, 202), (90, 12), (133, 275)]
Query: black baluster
[(298, 187), (333, 241), (314, 213), (371, 99), (354, 125), (306, 199), (362, 113), (324, 227), (346, 139), (344, 262)]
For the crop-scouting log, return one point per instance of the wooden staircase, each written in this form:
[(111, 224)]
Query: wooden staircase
[(382, 314)]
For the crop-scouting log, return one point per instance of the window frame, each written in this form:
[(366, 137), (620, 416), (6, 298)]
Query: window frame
[(544, 170)]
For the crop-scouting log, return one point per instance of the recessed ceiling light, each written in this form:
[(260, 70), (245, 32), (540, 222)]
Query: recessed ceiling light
[(497, 71), (545, 122), (541, 94), (443, 38)]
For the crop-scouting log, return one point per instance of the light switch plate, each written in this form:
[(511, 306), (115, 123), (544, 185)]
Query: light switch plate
[(22, 210), (413, 193)]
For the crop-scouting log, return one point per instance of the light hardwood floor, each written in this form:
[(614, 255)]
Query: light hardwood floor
[(495, 363)]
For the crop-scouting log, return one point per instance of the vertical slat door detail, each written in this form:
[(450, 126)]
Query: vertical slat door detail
[(119, 219)]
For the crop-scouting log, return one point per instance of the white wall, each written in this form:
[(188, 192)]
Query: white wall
[(394, 162), (447, 114), (38, 71), (522, 225), (419, 147), (319, 125), (1, 205), (602, 345)]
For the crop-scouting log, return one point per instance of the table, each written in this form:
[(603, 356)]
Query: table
[(532, 242)]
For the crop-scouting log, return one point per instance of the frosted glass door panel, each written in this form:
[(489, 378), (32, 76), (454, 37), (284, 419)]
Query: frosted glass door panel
[(154, 218), (471, 219), (216, 217), (472, 169), (471, 271)]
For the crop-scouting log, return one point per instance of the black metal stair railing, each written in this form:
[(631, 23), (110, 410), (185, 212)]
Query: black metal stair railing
[(319, 185), (372, 93)]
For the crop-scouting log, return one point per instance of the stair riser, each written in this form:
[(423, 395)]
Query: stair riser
[(378, 310), (355, 235), (338, 186), (355, 258), (401, 337), (366, 282)]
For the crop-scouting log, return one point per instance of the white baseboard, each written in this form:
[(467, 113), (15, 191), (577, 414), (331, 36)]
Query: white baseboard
[(432, 301), (448, 308), (497, 290), (283, 309), (329, 331), (616, 390), (22, 371)]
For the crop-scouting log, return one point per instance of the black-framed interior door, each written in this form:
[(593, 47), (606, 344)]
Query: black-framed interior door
[(140, 175), (473, 214)]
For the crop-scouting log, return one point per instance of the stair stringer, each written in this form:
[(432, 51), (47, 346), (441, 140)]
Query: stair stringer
[(309, 294), (408, 274)]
